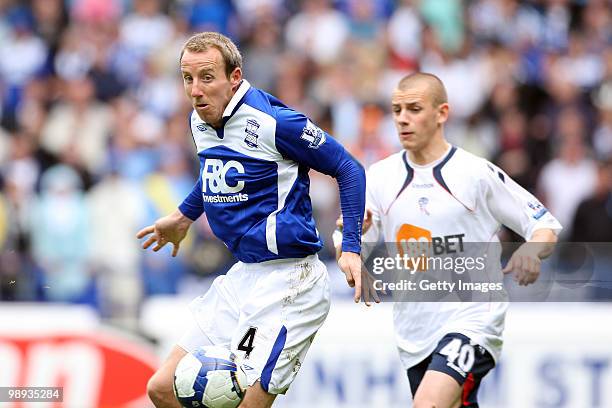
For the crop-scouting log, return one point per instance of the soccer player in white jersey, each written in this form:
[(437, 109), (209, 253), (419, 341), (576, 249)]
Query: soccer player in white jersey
[(255, 154), (432, 190)]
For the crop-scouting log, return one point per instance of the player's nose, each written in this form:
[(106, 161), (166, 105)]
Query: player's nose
[(402, 118), (196, 91)]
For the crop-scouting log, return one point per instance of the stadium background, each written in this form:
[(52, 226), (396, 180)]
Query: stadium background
[(95, 144)]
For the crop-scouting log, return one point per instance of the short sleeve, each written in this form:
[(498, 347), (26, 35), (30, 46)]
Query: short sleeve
[(513, 206)]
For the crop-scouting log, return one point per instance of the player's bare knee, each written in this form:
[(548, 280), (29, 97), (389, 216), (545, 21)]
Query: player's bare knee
[(151, 385), (159, 387), (257, 397), (254, 404), (153, 389), (424, 403), (249, 403), (160, 391), (246, 404)]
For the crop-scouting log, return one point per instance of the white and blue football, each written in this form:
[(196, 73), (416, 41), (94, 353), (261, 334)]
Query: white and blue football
[(210, 377)]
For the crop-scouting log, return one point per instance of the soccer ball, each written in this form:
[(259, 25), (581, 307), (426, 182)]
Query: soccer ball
[(209, 377)]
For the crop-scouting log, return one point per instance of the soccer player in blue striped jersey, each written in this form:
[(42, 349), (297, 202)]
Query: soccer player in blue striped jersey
[(255, 154)]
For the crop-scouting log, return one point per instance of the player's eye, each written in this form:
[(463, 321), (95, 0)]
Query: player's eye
[(187, 78), (207, 77)]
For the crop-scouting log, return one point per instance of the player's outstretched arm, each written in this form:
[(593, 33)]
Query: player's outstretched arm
[(526, 260), (171, 228)]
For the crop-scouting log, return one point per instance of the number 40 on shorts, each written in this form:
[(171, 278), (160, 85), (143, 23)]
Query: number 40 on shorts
[(459, 354)]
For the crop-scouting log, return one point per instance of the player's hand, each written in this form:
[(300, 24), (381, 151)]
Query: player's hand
[(357, 276), (367, 287), (171, 228), (367, 222), (350, 264), (525, 263)]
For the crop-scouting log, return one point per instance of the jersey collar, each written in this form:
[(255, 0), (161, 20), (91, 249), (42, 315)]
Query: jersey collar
[(234, 103), (442, 159), (437, 170)]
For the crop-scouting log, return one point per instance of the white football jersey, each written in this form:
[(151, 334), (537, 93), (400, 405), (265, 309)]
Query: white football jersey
[(460, 196)]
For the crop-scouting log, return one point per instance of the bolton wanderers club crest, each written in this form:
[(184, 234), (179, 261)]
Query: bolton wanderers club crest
[(251, 133), (423, 201)]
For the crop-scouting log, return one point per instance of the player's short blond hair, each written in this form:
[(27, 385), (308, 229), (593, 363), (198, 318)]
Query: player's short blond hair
[(436, 87), (201, 42)]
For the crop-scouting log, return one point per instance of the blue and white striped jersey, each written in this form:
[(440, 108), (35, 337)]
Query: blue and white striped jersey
[(254, 183)]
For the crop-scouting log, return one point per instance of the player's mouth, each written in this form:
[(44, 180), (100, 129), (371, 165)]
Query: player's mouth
[(201, 105)]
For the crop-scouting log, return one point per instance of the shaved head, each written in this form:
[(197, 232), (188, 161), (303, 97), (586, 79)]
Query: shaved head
[(419, 107), (435, 87)]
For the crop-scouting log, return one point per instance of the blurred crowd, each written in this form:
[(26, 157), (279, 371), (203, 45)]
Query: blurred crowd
[(95, 144)]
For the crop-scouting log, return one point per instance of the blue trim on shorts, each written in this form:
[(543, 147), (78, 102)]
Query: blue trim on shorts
[(279, 344)]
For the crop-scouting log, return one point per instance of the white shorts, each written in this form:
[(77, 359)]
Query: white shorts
[(267, 313)]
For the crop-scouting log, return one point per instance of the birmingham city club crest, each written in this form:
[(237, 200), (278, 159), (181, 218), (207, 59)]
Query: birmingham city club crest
[(251, 133)]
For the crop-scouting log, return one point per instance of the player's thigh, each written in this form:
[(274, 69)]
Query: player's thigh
[(455, 370), (416, 374), (438, 390), (279, 321), (257, 397)]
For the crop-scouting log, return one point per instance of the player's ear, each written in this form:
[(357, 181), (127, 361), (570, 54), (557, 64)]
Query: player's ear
[(235, 77), (443, 113)]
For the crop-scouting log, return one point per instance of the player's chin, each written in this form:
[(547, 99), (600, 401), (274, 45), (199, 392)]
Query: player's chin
[(202, 109), (206, 113), (408, 144)]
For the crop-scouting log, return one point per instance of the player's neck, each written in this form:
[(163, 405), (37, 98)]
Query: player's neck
[(430, 153)]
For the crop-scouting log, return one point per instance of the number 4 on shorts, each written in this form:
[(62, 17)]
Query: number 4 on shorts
[(246, 344)]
